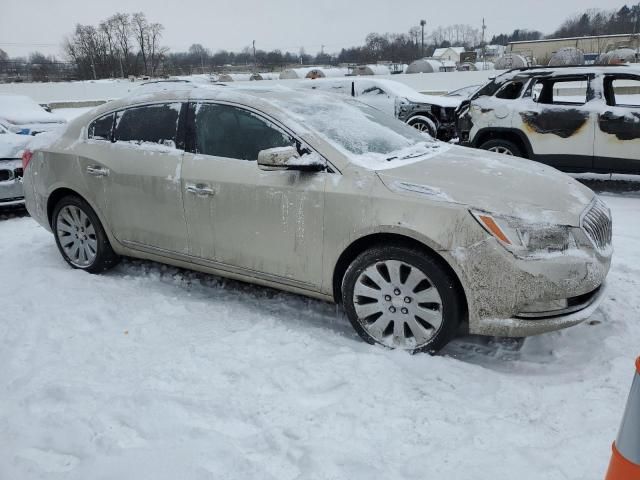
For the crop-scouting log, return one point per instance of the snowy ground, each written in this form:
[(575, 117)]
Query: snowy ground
[(151, 372)]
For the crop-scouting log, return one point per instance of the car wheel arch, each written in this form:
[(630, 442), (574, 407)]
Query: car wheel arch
[(59, 193), (370, 240), (509, 134)]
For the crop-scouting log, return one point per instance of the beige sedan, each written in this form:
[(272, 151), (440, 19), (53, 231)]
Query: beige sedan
[(327, 198)]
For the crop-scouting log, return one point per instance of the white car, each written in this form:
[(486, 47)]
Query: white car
[(11, 148), (577, 119), (433, 114), (20, 114)]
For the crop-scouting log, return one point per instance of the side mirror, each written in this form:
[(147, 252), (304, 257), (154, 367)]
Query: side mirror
[(287, 158)]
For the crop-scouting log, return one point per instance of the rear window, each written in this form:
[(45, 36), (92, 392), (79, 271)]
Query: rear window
[(101, 128), (149, 124)]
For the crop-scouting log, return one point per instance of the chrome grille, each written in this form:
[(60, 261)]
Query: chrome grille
[(596, 222)]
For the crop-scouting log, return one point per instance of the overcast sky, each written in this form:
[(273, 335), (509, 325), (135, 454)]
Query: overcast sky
[(28, 25)]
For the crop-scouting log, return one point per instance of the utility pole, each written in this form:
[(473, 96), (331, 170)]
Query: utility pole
[(422, 24), (254, 55), (484, 51)]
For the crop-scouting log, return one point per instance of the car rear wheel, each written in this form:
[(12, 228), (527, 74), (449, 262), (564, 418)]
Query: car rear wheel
[(402, 298), (80, 237), (504, 147)]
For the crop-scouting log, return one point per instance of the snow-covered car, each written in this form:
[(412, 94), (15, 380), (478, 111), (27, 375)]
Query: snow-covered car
[(20, 114), (11, 148), (577, 119), (329, 198), (433, 114)]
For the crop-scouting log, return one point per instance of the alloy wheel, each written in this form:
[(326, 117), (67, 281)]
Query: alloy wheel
[(397, 304), (77, 236), (502, 150)]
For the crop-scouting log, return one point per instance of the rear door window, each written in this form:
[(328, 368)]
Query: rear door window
[(102, 128), (231, 132), (156, 123), (625, 92), (565, 91)]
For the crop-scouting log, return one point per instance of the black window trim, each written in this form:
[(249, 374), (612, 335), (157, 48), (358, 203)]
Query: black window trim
[(190, 138)]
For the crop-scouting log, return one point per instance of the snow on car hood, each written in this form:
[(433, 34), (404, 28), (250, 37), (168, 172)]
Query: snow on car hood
[(12, 145), (495, 183), (20, 110)]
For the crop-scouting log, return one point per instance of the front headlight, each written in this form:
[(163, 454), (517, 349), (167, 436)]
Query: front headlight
[(521, 237)]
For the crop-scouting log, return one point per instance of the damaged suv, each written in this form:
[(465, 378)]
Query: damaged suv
[(577, 119)]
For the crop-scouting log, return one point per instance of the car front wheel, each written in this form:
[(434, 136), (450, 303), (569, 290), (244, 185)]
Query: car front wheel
[(402, 298), (80, 237)]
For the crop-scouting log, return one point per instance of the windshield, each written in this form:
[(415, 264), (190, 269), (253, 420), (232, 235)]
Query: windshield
[(353, 126)]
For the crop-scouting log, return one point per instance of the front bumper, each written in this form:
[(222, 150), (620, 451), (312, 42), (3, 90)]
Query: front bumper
[(525, 327)]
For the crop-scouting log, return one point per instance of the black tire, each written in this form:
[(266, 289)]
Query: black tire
[(429, 127), (499, 143), (105, 257), (452, 299)]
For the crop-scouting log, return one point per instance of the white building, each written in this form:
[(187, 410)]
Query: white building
[(451, 54)]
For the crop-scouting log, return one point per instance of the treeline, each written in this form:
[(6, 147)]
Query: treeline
[(599, 22), (123, 44), (517, 36), (626, 20)]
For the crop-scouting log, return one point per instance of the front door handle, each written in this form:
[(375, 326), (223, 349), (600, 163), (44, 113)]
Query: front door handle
[(201, 189), (97, 171)]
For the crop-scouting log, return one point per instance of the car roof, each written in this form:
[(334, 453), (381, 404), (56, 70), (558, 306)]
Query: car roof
[(567, 70)]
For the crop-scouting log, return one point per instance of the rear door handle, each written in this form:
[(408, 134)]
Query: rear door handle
[(97, 171), (201, 189)]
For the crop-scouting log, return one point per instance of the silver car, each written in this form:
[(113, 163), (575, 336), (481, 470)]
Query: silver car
[(328, 198)]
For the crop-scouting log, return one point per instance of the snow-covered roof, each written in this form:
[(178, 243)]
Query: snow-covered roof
[(441, 51)]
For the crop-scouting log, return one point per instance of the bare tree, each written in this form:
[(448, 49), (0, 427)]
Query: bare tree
[(122, 26), (141, 27), (154, 33)]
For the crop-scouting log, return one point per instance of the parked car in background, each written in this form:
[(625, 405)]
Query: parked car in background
[(11, 147), (329, 198), (577, 119), (432, 114), (20, 114)]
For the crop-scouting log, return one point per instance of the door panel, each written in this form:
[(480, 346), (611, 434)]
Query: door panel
[(145, 196), (617, 138), (138, 176), (263, 221), (266, 222), (559, 122)]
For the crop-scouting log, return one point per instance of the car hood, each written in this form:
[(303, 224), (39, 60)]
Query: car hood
[(12, 145), (494, 183)]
